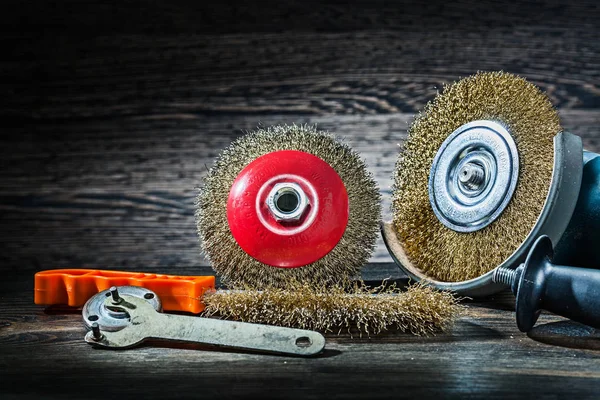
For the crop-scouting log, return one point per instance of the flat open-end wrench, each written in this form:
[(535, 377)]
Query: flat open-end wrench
[(145, 322)]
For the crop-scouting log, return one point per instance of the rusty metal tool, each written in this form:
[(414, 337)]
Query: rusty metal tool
[(129, 319)]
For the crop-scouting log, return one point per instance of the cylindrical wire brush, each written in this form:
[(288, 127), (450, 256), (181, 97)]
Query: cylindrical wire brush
[(287, 216), (485, 170), (356, 309)]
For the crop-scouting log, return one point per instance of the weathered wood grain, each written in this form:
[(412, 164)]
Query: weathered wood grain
[(120, 192), (112, 111), (42, 353), (89, 18), (369, 58), (291, 73)]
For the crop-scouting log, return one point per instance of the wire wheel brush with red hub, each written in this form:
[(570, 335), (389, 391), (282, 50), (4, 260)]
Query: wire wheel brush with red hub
[(288, 204)]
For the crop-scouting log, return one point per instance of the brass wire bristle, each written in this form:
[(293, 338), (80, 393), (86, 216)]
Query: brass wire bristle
[(317, 296), (355, 309), (236, 267), (440, 252)]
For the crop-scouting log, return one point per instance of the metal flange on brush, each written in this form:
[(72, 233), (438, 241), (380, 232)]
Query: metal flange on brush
[(485, 171), (473, 176)]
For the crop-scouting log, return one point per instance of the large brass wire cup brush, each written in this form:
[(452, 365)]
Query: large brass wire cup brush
[(486, 170)]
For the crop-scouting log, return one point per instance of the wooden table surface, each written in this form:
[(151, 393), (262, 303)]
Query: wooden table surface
[(112, 112)]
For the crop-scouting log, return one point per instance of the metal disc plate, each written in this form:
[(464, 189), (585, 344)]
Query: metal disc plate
[(483, 145), (94, 309)]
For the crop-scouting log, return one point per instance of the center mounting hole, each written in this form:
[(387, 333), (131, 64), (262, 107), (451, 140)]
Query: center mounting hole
[(473, 176), (303, 341), (288, 201), (118, 313)]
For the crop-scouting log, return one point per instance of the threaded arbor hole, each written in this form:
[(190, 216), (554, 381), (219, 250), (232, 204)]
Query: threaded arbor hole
[(287, 201)]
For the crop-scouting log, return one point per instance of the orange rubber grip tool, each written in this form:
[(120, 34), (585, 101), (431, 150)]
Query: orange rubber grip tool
[(74, 287)]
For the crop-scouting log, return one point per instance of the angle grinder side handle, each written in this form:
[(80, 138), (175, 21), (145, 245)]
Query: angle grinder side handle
[(574, 293), (539, 284)]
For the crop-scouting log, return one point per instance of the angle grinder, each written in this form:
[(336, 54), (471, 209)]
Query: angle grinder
[(486, 170)]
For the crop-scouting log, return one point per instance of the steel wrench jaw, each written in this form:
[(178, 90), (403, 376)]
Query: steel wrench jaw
[(140, 313), (144, 322)]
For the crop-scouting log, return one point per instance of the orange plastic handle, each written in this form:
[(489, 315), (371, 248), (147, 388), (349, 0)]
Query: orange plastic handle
[(75, 286)]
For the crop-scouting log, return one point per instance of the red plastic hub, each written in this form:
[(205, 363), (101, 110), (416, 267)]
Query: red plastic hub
[(287, 243)]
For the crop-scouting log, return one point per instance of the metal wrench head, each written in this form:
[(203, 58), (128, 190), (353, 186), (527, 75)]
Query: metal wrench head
[(140, 312), (144, 322), (106, 313)]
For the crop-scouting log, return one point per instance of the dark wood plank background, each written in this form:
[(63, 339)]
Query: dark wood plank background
[(112, 111)]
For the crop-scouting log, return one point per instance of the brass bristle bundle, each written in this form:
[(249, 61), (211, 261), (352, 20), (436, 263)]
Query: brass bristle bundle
[(438, 251), (317, 296), (357, 309), (356, 245)]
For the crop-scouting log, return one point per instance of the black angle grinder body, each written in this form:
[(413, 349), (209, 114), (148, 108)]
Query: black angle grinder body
[(578, 245)]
